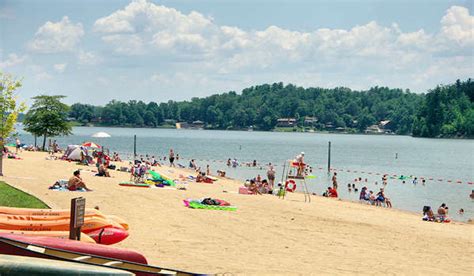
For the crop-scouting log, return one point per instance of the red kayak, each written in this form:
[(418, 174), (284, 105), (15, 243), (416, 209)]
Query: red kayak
[(74, 246), (108, 235)]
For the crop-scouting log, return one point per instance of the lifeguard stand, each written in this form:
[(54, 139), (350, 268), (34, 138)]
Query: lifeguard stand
[(290, 173)]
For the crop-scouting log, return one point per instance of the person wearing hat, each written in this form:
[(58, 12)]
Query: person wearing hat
[(301, 165)]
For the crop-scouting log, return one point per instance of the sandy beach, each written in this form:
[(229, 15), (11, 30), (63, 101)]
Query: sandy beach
[(266, 235)]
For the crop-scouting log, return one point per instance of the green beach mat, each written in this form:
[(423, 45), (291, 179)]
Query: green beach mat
[(196, 205), (157, 177), (133, 184)]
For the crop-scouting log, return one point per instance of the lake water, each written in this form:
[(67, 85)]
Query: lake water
[(442, 160)]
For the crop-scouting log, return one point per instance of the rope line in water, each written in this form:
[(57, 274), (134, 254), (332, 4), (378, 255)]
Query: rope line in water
[(260, 167)]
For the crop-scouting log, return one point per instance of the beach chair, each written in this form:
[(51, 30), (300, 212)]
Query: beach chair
[(139, 175)]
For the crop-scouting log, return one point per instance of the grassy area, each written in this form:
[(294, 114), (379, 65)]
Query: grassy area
[(12, 197)]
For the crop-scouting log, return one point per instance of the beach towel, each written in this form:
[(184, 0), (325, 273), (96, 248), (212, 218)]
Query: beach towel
[(197, 204)]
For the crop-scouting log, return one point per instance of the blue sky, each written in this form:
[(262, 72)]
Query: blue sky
[(96, 51)]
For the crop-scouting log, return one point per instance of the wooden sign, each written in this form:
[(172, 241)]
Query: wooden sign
[(78, 208)]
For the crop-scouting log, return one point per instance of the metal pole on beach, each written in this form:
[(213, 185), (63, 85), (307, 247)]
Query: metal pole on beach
[(329, 157), (134, 147)]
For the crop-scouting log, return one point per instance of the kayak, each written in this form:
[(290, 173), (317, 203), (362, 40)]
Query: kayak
[(20, 265), (54, 234), (108, 235), (90, 224), (11, 246), (89, 212), (114, 220), (74, 246)]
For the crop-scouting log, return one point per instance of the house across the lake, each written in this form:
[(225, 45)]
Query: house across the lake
[(194, 125), (383, 127), (286, 122)]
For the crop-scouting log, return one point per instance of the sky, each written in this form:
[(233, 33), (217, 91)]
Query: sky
[(94, 51)]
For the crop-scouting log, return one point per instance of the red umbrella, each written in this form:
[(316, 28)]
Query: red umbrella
[(91, 145)]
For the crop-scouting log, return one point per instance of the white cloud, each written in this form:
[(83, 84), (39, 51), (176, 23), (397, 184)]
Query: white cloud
[(55, 37), (60, 67), (364, 54), (88, 58), (458, 26), (12, 60), (43, 76)]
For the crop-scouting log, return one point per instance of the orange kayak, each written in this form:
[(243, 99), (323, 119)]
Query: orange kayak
[(54, 234), (90, 224), (59, 213), (114, 220)]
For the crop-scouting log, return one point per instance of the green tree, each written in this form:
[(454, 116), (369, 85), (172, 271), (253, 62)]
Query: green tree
[(9, 109), (47, 117)]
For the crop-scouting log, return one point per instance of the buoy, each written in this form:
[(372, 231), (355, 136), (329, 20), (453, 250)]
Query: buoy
[(292, 183)]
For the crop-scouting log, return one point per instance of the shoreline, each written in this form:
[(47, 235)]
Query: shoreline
[(266, 131), (337, 233)]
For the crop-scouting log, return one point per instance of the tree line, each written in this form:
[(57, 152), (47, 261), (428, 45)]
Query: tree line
[(260, 107), (445, 111)]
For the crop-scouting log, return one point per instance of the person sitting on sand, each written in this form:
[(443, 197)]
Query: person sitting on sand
[(192, 164), (265, 187), (76, 182), (380, 199), (363, 192), (253, 187), (443, 212), (103, 171), (428, 214), (330, 192), (200, 177), (371, 198)]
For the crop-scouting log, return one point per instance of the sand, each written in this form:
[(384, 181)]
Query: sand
[(266, 235)]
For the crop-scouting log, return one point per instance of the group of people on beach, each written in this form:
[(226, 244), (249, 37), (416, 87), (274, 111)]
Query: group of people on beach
[(258, 185), (442, 213)]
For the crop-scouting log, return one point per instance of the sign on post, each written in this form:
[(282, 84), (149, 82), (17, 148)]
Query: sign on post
[(78, 208)]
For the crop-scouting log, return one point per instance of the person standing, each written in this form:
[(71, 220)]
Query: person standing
[(301, 164), (334, 181), (171, 158), (271, 175), (18, 144)]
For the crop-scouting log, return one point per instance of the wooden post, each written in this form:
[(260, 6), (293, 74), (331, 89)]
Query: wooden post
[(78, 208), (134, 148), (329, 157)]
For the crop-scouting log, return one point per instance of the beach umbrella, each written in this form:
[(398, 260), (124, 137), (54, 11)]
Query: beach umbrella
[(91, 145), (101, 134)]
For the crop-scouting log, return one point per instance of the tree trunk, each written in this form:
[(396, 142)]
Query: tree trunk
[(1, 161), (44, 141), (35, 141)]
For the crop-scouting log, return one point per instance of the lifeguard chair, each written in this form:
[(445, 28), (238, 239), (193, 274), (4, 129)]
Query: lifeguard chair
[(293, 173)]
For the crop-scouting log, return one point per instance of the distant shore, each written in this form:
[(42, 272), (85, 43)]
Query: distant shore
[(245, 130)]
